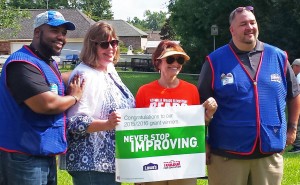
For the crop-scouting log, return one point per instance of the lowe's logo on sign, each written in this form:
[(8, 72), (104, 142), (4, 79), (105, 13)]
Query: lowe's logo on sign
[(150, 166)]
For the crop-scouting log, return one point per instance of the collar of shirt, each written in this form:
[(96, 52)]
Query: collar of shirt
[(48, 61), (259, 47), (35, 51)]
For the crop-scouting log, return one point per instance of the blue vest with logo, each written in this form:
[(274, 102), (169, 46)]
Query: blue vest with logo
[(21, 129), (249, 111)]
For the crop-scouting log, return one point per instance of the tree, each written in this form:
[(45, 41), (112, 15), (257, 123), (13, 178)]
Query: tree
[(95, 9), (167, 32), (9, 20), (282, 25), (140, 24), (155, 20), (152, 21), (193, 24), (39, 4)]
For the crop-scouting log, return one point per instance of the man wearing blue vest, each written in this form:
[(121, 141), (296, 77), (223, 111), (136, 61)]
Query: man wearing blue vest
[(253, 83), (32, 105)]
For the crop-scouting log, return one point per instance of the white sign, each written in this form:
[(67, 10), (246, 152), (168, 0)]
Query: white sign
[(162, 143)]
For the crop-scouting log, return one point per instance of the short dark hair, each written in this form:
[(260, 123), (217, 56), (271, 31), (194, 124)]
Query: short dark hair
[(239, 9)]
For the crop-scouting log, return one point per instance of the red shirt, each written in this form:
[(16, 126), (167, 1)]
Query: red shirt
[(154, 95)]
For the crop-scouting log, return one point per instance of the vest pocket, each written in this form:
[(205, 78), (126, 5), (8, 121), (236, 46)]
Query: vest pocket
[(233, 136), (227, 90), (53, 141), (273, 137)]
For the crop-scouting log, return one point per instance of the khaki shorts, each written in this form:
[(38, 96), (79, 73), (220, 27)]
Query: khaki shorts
[(172, 182), (262, 171)]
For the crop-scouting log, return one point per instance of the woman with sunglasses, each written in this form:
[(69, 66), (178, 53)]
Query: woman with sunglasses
[(92, 120), (169, 90)]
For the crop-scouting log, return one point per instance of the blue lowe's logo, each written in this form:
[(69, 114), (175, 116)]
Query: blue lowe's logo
[(150, 166)]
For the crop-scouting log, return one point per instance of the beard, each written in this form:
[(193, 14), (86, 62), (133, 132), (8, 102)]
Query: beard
[(251, 40), (48, 50)]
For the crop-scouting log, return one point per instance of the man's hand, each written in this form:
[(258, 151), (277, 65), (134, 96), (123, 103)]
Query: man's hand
[(291, 135), (76, 87)]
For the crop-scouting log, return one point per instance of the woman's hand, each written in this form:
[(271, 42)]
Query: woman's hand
[(113, 120), (210, 106)]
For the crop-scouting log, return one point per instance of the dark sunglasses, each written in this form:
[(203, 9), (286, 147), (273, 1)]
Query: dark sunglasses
[(240, 9), (171, 59), (105, 44)]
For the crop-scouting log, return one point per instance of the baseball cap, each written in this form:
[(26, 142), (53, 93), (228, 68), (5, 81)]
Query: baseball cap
[(52, 18), (296, 62), (172, 51)]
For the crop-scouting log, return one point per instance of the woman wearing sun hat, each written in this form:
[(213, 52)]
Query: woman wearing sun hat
[(168, 59)]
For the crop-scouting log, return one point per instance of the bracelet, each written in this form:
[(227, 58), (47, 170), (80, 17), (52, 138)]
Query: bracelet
[(75, 99)]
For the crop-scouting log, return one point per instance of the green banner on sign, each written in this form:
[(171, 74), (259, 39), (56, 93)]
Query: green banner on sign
[(160, 142)]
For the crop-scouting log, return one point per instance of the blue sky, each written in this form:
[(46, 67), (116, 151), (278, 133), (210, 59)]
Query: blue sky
[(124, 9)]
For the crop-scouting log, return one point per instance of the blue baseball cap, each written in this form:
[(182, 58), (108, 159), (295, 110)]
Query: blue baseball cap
[(52, 18)]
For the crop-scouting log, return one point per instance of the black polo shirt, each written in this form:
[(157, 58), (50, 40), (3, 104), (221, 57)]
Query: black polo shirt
[(25, 81)]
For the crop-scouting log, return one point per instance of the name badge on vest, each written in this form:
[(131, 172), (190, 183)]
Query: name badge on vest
[(227, 79), (54, 88), (275, 78)]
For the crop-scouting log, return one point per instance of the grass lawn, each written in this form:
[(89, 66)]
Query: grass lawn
[(134, 80), (291, 175)]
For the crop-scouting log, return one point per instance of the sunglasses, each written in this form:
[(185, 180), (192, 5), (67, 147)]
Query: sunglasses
[(105, 44), (240, 9), (171, 59)]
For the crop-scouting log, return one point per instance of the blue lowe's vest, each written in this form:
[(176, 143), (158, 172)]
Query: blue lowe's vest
[(249, 111), (21, 129)]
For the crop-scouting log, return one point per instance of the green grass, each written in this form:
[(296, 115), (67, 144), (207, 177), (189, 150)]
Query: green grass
[(291, 175), (133, 80)]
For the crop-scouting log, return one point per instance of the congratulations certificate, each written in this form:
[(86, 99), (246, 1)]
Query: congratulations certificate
[(161, 143)]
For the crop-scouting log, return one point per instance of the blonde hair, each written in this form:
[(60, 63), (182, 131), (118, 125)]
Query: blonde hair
[(98, 32)]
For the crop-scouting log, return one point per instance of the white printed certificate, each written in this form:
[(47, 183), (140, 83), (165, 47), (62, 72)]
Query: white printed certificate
[(161, 143)]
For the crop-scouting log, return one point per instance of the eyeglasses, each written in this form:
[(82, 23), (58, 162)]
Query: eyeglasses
[(171, 59), (240, 9), (105, 44)]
